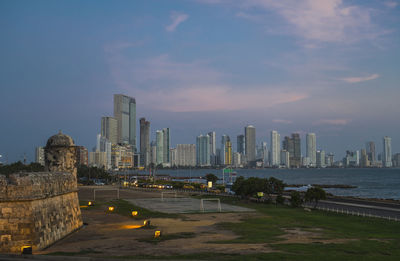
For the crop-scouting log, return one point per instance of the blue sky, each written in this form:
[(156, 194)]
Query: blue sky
[(331, 67)]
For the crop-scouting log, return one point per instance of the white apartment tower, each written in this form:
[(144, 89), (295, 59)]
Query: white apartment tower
[(387, 152), (275, 149)]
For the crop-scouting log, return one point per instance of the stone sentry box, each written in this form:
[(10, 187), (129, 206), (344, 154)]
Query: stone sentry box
[(37, 209)]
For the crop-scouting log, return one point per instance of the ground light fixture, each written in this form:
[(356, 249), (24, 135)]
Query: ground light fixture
[(111, 208), (26, 250), (157, 234), (134, 213), (90, 203), (146, 223)]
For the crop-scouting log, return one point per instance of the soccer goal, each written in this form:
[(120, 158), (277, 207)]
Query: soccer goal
[(167, 192), (210, 199), (95, 190)]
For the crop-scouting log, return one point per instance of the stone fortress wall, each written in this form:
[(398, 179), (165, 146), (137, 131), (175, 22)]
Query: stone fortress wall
[(37, 209)]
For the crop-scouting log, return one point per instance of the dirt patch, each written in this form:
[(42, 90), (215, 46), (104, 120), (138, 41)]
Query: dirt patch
[(297, 235)]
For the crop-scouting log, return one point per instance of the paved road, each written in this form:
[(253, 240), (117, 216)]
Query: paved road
[(361, 207)]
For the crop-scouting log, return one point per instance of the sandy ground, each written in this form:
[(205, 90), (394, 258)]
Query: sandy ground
[(112, 234)]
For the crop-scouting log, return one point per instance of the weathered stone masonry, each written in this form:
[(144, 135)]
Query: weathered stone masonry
[(37, 209)]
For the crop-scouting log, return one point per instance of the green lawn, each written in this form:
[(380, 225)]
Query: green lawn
[(368, 238)]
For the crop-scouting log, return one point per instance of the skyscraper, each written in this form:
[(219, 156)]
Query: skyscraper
[(296, 160), (125, 113), (387, 152), (321, 159), (160, 147), (311, 148), (166, 144), (240, 144), (228, 152), (203, 150), (293, 146), (370, 146), (213, 148), (109, 129), (224, 138), (144, 142), (275, 149), (186, 155), (250, 143), (39, 155)]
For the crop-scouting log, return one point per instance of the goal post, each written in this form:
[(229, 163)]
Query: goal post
[(167, 192), (94, 192), (210, 199)]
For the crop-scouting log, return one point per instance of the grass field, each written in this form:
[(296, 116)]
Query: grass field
[(334, 236)]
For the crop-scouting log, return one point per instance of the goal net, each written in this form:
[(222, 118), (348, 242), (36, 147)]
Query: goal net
[(202, 205), (167, 192)]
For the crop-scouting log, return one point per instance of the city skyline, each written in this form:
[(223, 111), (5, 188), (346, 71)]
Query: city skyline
[(246, 62)]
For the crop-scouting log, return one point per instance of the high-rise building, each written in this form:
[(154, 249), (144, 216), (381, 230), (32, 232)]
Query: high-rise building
[(125, 113), (98, 159), (103, 145), (203, 150), (311, 148), (145, 142), (186, 155), (296, 159), (153, 153), (237, 159), (262, 153), (173, 157), (160, 147), (321, 159), (39, 155), (275, 149), (213, 148), (371, 152), (352, 159), (330, 159), (109, 129), (293, 146), (224, 138), (364, 161), (166, 144), (285, 158), (250, 144), (240, 144), (122, 156), (387, 152), (396, 160), (82, 156), (228, 152)]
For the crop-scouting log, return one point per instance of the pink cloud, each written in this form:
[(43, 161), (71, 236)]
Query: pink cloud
[(314, 20), (174, 86), (333, 122), (177, 19), (361, 79)]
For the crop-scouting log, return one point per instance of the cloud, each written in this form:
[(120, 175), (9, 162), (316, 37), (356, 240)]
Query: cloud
[(177, 19), (361, 79), (341, 122), (312, 20), (164, 84), (391, 4)]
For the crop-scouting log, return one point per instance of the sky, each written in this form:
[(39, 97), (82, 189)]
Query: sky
[(331, 67)]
